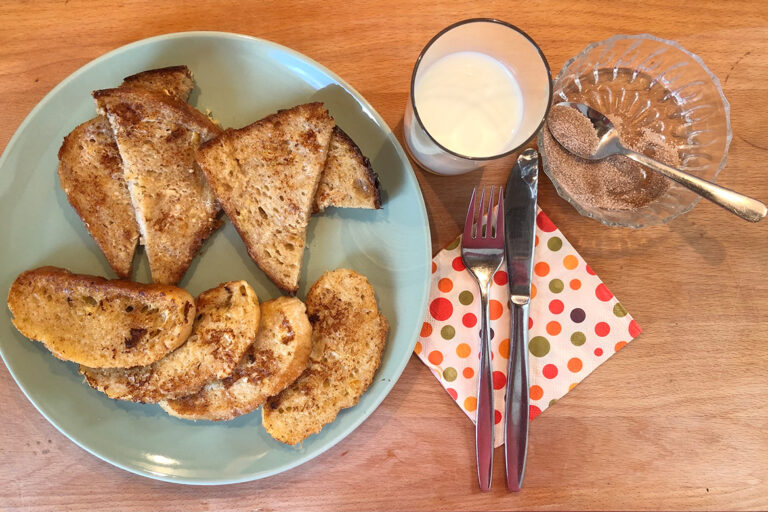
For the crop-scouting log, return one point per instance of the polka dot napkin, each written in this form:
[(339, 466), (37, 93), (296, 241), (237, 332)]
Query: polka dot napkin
[(575, 325)]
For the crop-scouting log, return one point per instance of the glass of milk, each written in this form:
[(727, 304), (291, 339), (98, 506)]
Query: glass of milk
[(480, 90)]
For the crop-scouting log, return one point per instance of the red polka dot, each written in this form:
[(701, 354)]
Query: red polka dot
[(435, 357), (496, 416), (549, 371), (426, 330), (603, 293), (590, 271), (453, 393), (544, 223), (602, 329), (536, 241), (500, 278), (530, 323), (458, 264), (598, 352), (441, 309), (556, 306), (499, 380), (434, 267), (533, 411), (634, 329), (469, 320)]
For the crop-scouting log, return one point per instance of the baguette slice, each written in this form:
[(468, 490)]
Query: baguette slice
[(99, 323), (225, 326), (277, 357), (91, 174), (348, 337), (265, 176), (348, 180), (157, 135)]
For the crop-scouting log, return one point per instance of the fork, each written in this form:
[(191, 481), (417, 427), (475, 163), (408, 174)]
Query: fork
[(482, 250)]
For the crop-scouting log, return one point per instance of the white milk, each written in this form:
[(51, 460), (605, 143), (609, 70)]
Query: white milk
[(470, 103)]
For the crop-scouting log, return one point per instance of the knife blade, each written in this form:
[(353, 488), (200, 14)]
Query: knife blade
[(520, 233)]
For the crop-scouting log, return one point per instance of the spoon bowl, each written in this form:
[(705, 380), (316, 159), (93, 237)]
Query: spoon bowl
[(609, 144)]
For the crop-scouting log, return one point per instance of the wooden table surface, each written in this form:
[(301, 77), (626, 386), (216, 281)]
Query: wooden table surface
[(677, 420)]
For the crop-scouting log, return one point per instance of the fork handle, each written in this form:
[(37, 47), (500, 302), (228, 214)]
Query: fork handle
[(485, 410), (516, 411)]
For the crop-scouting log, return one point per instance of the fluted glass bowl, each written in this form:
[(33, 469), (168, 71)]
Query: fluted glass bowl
[(660, 85)]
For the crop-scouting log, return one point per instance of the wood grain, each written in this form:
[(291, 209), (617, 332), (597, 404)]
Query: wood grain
[(678, 420)]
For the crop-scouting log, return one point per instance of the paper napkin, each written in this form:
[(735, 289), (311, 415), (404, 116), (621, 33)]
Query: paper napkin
[(575, 325)]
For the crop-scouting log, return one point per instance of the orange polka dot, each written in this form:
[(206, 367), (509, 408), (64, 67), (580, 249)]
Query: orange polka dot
[(573, 386), (536, 243), (554, 328), (445, 285), (434, 267), (575, 284), (463, 350), (620, 345), (495, 309), (533, 290), (468, 373), (541, 268), (470, 403), (435, 357), (536, 392), (570, 262), (504, 348), (418, 347), (426, 329), (575, 364)]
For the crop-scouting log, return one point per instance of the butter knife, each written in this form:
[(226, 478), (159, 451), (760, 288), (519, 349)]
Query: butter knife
[(520, 227)]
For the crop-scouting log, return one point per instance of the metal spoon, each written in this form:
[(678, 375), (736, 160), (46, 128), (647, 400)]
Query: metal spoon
[(741, 205)]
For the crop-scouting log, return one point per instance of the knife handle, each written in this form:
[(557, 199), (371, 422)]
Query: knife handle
[(516, 417), (485, 409)]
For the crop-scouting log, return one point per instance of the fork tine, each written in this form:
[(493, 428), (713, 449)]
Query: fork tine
[(470, 220), (500, 214), (489, 216), (480, 213)]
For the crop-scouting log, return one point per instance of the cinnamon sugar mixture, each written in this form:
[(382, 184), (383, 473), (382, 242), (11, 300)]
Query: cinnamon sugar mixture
[(615, 183)]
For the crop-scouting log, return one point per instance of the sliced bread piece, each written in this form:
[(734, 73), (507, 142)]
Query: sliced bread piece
[(348, 180), (226, 324), (176, 211), (265, 176), (277, 357), (99, 323), (91, 174), (348, 337)]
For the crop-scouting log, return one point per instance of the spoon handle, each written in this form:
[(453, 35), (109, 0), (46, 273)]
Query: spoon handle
[(739, 204)]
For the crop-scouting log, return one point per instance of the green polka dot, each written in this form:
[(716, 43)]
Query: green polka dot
[(450, 374), (466, 297), (448, 332), (578, 338), (619, 310), (556, 286), (552, 402), (539, 346), (453, 244), (554, 243)]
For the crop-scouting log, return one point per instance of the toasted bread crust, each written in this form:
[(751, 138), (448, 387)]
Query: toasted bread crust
[(348, 338), (277, 357), (265, 177), (157, 136), (226, 324), (176, 81), (348, 180), (100, 323)]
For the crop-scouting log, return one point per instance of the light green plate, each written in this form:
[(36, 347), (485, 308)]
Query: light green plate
[(240, 79)]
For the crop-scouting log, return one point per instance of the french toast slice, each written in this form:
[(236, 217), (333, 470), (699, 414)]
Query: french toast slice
[(277, 357), (265, 176), (225, 327), (91, 174), (99, 323), (176, 211), (348, 338), (348, 180)]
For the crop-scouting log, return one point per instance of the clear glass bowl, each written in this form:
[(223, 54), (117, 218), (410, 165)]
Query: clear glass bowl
[(626, 74)]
